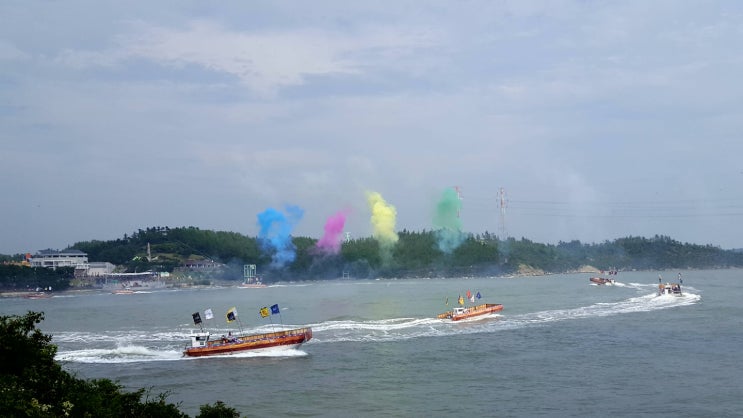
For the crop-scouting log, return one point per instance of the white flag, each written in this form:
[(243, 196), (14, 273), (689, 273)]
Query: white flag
[(208, 314)]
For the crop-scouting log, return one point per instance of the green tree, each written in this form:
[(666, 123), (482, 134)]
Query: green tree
[(35, 385), (218, 410)]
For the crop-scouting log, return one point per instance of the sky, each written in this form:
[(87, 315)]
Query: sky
[(554, 120)]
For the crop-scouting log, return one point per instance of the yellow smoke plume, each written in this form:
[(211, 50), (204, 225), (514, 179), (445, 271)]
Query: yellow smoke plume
[(383, 220)]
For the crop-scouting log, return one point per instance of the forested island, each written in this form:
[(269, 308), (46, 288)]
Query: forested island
[(413, 254)]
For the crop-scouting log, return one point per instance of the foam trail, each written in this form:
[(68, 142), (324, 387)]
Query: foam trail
[(383, 218), (396, 329), (123, 354), (447, 222), (330, 242), (275, 233)]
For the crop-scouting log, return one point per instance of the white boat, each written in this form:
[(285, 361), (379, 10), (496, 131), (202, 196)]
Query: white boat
[(669, 288)]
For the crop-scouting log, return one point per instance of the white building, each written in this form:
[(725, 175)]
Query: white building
[(64, 258), (99, 268)]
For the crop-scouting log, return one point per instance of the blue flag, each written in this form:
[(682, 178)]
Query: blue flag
[(275, 309), (478, 295)]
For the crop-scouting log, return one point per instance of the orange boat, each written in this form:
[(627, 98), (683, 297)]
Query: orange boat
[(202, 345), (460, 313)]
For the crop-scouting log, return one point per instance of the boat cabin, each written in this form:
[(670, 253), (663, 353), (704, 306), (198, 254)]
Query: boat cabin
[(459, 311), (669, 289), (199, 339)]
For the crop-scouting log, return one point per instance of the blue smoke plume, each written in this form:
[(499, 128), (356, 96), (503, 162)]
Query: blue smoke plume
[(275, 234)]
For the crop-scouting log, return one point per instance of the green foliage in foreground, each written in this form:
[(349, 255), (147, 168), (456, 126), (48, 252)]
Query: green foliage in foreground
[(35, 385)]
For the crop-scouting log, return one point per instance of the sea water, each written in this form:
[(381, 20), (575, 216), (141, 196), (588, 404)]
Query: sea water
[(562, 346)]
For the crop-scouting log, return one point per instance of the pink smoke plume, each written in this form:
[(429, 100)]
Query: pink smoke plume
[(330, 243)]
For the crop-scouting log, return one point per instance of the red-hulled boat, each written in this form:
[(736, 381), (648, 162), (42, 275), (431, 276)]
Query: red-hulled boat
[(203, 345), (601, 280)]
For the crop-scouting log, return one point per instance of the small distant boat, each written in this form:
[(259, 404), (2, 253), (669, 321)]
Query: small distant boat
[(670, 288), (601, 280), (252, 285), (123, 292), (37, 295)]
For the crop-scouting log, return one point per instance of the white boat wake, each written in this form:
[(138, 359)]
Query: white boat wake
[(120, 346)]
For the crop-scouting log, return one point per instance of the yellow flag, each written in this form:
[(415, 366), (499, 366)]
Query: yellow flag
[(264, 312), (461, 300)]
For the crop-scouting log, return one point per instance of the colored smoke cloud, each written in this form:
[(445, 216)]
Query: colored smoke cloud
[(383, 218), (447, 222), (275, 233), (330, 243)]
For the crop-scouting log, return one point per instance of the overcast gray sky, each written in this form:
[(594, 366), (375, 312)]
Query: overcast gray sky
[(599, 119)]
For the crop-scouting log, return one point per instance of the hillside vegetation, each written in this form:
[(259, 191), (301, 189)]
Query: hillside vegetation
[(415, 254)]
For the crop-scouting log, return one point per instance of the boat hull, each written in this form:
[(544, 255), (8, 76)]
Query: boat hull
[(475, 311), (601, 280), (37, 295), (272, 340), (252, 285)]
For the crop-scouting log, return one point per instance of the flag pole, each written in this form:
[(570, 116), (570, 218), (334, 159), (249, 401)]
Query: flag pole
[(239, 324), (209, 315)]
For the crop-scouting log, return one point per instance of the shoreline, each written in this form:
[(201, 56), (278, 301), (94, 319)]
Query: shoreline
[(526, 271)]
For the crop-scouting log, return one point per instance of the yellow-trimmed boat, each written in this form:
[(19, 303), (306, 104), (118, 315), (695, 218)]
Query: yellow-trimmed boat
[(460, 313)]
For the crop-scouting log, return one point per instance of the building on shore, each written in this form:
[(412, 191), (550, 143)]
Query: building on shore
[(65, 258), (99, 268)]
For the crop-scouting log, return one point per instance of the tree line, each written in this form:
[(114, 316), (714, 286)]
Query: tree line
[(27, 278), (414, 254)]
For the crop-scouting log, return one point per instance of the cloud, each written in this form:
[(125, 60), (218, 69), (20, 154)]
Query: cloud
[(9, 52), (263, 61)]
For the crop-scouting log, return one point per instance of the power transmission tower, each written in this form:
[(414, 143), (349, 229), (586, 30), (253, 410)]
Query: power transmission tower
[(502, 202)]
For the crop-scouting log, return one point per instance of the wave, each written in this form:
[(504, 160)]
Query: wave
[(118, 346), (124, 354), (406, 328), (139, 354)]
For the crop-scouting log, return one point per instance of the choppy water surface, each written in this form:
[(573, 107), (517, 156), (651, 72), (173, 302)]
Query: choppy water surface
[(560, 347)]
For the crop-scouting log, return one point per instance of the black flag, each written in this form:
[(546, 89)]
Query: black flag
[(196, 318)]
